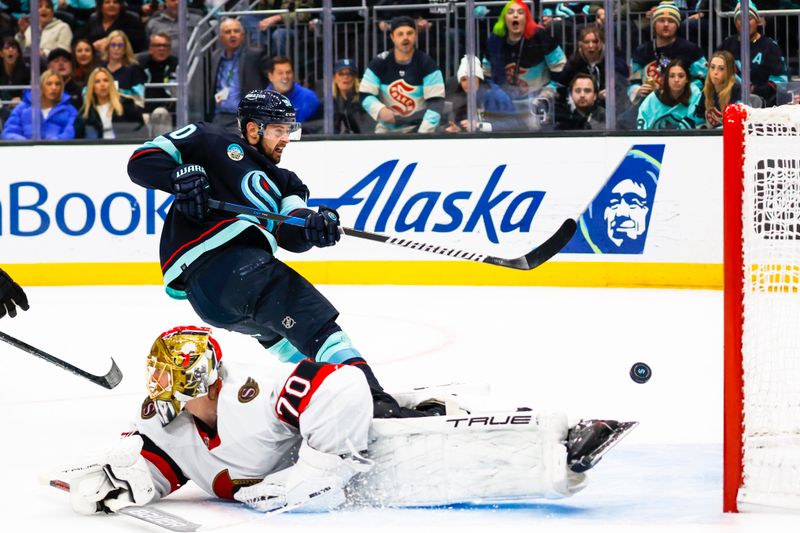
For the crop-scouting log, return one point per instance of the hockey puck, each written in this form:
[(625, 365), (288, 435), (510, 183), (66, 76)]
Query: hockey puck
[(640, 372)]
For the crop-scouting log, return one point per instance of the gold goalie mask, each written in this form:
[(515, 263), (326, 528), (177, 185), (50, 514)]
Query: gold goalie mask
[(182, 364)]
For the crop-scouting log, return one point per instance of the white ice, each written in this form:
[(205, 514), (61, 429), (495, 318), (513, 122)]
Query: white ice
[(568, 349)]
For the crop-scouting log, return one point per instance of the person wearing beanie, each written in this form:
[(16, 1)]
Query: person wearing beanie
[(524, 57), (767, 63), (403, 88), (650, 58)]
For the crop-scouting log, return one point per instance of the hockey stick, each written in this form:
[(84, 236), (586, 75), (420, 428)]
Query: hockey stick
[(146, 513), (529, 261), (110, 380)]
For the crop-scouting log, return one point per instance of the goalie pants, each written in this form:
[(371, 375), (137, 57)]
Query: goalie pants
[(246, 289)]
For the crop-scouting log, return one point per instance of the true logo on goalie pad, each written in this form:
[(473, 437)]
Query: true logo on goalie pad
[(490, 420)]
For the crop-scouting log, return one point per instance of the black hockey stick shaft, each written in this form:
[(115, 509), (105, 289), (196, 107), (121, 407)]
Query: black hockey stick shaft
[(531, 260), (110, 380)]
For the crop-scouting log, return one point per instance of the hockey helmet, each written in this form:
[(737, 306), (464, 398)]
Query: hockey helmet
[(182, 364), (263, 107)]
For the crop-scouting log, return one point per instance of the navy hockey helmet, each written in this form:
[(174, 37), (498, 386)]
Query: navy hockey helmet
[(263, 107)]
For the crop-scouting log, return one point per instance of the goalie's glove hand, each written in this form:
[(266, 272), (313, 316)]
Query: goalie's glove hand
[(11, 296), (264, 496), (322, 227), (122, 478), (190, 187)]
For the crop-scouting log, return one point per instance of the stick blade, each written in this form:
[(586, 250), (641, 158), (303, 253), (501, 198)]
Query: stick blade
[(542, 253), (112, 378)]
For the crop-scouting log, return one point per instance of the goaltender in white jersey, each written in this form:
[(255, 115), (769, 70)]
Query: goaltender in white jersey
[(306, 439)]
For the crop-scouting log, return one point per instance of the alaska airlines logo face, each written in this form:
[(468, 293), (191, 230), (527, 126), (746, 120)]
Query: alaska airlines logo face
[(399, 91), (618, 218)]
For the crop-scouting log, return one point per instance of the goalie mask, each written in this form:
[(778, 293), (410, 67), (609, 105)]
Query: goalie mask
[(182, 364)]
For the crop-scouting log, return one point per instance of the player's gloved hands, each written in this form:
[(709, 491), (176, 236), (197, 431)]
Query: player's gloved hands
[(190, 187), (322, 227), (11, 296), (264, 496)]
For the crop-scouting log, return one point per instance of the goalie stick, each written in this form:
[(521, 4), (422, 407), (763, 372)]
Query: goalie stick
[(146, 513), (109, 380), (529, 261)]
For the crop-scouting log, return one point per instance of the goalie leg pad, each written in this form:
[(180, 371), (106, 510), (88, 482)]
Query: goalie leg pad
[(486, 457)]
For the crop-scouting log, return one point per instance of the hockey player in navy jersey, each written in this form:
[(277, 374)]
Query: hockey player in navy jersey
[(225, 265), (403, 88)]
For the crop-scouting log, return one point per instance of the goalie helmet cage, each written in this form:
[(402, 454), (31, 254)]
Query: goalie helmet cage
[(762, 308)]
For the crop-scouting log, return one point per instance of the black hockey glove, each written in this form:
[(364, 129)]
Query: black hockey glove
[(11, 296), (322, 227), (190, 187)]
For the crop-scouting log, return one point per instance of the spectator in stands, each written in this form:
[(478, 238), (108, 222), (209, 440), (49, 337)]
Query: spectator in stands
[(119, 59), (166, 21), (15, 71), (55, 33), (85, 60), (80, 9), (235, 72), (721, 89), (281, 78), (589, 58), (349, 115), (111, 15), (490, 100), (581, 111), (57, 114), (767, 64), (283, 27), (106, 113), (649, 60), (8, 25), (159, 66), (403, 89), (60, 62), (524, 57), (674, 105)]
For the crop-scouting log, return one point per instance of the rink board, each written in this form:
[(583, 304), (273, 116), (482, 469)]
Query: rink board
[(70, 216)]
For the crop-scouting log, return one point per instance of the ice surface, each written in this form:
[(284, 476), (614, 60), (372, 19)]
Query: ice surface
[(540, 347)]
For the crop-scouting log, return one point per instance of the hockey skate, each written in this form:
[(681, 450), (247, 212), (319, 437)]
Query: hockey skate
[(589, 440)]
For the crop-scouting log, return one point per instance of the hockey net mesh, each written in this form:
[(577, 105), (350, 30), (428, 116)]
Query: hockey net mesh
[(771, 303)]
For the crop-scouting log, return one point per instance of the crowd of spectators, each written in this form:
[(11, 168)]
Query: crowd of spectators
[(98, 57)]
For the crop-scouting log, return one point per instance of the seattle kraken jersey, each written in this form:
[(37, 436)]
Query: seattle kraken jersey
[(414, 91), (237, 173), (656, 115), (767, 65), (525, 65), (647, 61)]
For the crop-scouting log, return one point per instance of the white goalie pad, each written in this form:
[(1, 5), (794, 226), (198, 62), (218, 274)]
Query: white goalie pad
[(492, 457)]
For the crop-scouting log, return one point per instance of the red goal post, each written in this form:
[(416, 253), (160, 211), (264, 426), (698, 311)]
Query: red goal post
[(761, 151)]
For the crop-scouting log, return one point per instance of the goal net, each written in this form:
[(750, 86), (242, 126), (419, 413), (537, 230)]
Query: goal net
[(762, 308)]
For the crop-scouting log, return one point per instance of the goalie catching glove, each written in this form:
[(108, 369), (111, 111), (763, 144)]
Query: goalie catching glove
[(315, 483), (190, 187), (120, 480)]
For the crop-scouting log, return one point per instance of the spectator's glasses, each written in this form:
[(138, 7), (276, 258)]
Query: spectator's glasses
[(116, 45), (159, 45)]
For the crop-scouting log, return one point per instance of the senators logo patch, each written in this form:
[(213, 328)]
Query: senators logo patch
[(399, 91), (148, 409), (248, 391)]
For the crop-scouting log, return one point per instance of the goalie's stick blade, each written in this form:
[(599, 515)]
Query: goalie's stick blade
[(529, 261), (109, 380), (541, 253), (148, 514)]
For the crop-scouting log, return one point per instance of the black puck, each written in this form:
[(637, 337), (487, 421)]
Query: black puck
[(640, 372)]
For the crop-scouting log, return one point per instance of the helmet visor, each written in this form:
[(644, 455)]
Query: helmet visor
[(277, 131)]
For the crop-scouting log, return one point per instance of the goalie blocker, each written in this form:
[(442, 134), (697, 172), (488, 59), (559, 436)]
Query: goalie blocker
[(306, 440)]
